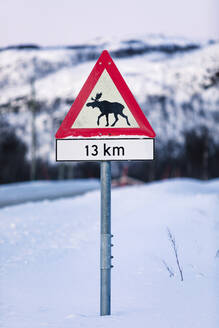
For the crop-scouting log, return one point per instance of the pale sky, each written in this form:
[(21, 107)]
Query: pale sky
[(63, 22)]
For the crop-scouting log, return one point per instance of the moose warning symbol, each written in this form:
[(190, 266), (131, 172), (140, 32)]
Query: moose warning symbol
[(106, 108)]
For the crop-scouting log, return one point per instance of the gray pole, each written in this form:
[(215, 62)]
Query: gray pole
[(33, 132), (105, 243)]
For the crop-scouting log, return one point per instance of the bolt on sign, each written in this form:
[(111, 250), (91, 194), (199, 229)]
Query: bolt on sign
[(105, 123)]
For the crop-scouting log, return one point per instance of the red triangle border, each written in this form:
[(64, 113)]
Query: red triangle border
[(104, 62)]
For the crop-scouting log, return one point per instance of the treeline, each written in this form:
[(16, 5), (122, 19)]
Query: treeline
[(199, 158)]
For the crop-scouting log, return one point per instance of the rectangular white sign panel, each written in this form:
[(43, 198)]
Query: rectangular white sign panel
[(104, 149)]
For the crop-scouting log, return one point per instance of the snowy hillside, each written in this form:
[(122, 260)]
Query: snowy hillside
[(49, 274), (174, 80)]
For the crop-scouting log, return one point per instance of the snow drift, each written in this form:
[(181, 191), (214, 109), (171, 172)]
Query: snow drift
[(49, 274)]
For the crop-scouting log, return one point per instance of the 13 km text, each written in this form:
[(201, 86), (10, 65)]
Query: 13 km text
[(94, 150)]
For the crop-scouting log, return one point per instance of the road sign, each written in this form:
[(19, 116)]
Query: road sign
[(105, 109), (105, 123)]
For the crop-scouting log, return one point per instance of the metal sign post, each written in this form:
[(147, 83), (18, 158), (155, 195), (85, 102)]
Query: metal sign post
[(105, 242)]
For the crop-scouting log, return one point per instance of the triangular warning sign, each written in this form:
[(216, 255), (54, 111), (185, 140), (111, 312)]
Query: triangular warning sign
[(105, 107)]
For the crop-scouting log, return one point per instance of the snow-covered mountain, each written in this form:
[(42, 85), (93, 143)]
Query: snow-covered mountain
[(176, 82)]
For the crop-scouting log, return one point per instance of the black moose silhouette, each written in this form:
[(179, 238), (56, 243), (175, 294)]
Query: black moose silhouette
[(106, 108)]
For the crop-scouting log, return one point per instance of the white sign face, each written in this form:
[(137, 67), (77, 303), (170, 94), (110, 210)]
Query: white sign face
[(88, 117), (104, 149)]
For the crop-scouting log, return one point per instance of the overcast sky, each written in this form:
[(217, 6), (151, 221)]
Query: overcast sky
[(61, 22)]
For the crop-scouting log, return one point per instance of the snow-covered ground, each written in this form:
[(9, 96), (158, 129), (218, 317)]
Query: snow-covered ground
[(49, 273)]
